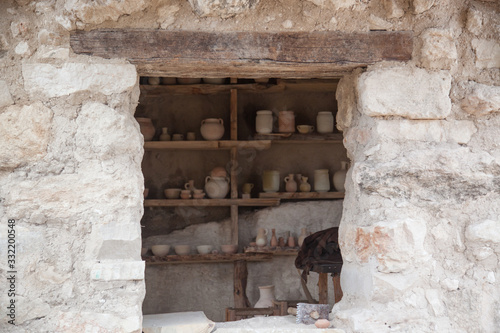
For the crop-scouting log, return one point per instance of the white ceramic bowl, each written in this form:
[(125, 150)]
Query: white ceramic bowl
[(160, 250), (204, 249), (172, 193), (229, 248), (182, 249)]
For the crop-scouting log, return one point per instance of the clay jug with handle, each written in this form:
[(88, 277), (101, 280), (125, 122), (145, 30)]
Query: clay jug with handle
[(261, 238), (291, 184)]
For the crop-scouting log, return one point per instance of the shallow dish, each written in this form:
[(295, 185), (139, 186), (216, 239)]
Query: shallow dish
[(182, 249), (229, 248), (204, 249), (160, 250)]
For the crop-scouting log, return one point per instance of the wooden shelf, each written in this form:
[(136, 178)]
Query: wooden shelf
[(207, 89), (207, 258), (253, 202), (207, 145), (297, 138), (276, 251), (302, 195)]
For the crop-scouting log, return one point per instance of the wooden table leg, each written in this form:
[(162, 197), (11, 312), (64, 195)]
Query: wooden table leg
[(337, 290), (240, 284), (323, 288)]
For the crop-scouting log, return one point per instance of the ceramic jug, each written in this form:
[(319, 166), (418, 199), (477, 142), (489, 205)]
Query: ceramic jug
[(339, 177), (271, 181), (216, 187), (190, 185), (147, 128), (212, 129), (321, 180), (164, 136), (304, 185), (261, 238), (247, 188), (266, 297), (274, 239), (303, 235), (291, 184)]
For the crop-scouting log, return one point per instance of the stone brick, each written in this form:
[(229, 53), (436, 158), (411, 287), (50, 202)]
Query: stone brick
[(45, 80), (392, 9), (118, 271), (223, 9), (390, 92), (474, 21), (485, 231), (438, 49), (481, 99), (96, 12), (420, 6), (435, 302), (5, 97), (487, 53), (25, 133)]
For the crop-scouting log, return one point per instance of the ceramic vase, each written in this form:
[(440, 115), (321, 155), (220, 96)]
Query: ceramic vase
[(261, 238), (216, 187), (164, 136), (212, 129), (339, 177), (324, 122), (274, 239), (264, 122), (266, 297), (303, 235), (291, 184), (291, 241), (147, 128), (304, 185), (271, 181)]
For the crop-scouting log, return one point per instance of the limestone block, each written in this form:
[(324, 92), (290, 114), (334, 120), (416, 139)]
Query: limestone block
[(487, 53), (485, 231), (96, 12), (223, 9), (481, 99), (435, 301), (420, 6), (166, 15), (438, 49), (50, 52), (346, 98), (474, 21), (98, 322), (392, 9), (22, 49), (412, 93), (5, 97), (45, 80), (459, 131), (357, 280), (336, 4), (25, 133), (377, 23), (118, 271)]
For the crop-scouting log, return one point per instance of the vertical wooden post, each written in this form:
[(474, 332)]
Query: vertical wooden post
[(234, 162), (240, 284), (337, 289), (323, 288)]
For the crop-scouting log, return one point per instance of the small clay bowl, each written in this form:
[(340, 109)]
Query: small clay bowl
[(198, 195), (172, 193), (160, 250), (182, 249), (204, 249), (229, 248)]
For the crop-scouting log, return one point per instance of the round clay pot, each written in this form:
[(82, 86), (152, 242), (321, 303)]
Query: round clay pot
[(147, 128), (216, 187), (172, 193), (212, 129)]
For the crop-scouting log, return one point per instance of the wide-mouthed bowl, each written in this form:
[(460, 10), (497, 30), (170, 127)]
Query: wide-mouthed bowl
[(204, 249), (182, 249), (172, 193), (160, 250), (229, 248)]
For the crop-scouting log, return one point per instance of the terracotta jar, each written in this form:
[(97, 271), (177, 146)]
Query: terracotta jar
[(291, 184), (271, 181), (147, 128), (212, 129), (217, 187), (321, 180), (266, 297), (339, 177), (274, 239), (264, 122), (286, 122)]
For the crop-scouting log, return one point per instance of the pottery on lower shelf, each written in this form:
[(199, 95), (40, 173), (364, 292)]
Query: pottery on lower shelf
[(339, 177), (212, 129), (204, 249), (172, 193), (261, 239), (160, 250), (182, 249), (229, 248), (216, 187), (266, 297)]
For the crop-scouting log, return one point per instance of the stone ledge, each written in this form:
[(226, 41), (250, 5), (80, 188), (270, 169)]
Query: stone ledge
[(118, 271)]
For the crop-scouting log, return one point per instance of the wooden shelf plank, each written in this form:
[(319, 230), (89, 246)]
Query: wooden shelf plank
[(207, 258), (148, 91), (206, 145), (303, 195), (253, 202), (276, 251), (301, 138)]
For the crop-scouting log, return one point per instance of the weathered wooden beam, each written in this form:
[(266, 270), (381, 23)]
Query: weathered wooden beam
[(244, 54), (240, 284)]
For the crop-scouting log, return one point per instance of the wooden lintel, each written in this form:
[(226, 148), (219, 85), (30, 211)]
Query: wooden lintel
[(244, 54)]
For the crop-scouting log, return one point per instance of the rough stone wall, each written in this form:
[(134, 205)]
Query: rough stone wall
[(421, 219)]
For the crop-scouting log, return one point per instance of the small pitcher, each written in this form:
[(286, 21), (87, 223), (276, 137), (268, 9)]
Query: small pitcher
[(291, 184), (261, 238)]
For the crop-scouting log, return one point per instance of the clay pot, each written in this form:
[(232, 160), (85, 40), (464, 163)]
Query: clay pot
[(229, 248), (261, 239), (204, 249), (164, 136), (182, 249), (218, 172), (304, 129), (264, 122), (266, 297), (321, 180), (212, 129), (324, 122), (172, 193), (216, 187), (304, 185), (271, 181), (154, 81), (247, 188), (291, 184), (147, 128), (274, 240), (160, 250), (185, 194), (339, 177)]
